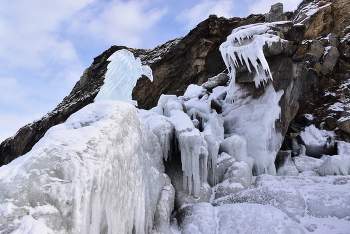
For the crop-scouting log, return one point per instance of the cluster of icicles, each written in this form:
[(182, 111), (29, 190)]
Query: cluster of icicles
[(246, 127)]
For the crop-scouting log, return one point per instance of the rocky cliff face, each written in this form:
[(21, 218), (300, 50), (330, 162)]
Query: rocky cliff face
[(311, 65)]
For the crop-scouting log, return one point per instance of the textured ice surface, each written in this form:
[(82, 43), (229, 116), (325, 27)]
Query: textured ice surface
[(286, 198), (237, 177), (99, 172), (288, 168), (324, 196), (164, 209), (335, 165), (306, 163), (343, 148), (122, 74), (235, 218)]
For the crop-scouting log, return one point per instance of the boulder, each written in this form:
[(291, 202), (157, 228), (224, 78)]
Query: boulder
[(344, 122), (330, 59), (276, 13)]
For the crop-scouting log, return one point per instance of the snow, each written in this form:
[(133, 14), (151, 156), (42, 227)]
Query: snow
[(194, 91), (99, 172), (343, 147), (324, 196), (235, 218), (288, 168), (122, 74), (275, 196)]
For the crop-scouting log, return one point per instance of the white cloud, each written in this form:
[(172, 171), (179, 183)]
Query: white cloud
[(10, 92), (30, 32), (192, 16), (11, 123), (118, 22), (263, 6)]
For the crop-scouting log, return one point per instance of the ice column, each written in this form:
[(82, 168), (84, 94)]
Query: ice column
[(122, 74)]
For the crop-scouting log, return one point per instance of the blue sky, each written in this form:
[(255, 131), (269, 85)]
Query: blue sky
[(45, 45)]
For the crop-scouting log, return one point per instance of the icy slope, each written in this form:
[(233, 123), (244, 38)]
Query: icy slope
[(99, 172)]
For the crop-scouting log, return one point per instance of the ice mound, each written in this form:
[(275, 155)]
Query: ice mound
[(99, 172), (306, 163), (233, 176), (286, 198), (335, 165), (122, 74), (202, 218)]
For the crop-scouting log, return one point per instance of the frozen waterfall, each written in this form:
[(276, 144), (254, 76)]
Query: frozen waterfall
[(253, 119)]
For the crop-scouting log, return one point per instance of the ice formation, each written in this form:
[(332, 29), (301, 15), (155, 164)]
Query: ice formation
[(236, 218), (335, 165), (122, 74), (246, 43), (99, 172), (253, 119)]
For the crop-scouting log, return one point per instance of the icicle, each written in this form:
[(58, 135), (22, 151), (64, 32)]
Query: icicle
[(249, 49)]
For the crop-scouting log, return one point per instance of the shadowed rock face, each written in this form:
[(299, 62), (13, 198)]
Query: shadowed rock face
[(304, 69)]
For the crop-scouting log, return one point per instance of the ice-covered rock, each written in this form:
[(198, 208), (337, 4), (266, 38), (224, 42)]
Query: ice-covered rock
[(220, 79), (285, 165), (182, 197), (335, 165), (197, 218), (162, 127), (317, 142), (230, 175), (306, 163), (286, 198), (236, 146), (99, 172), (202, 218)]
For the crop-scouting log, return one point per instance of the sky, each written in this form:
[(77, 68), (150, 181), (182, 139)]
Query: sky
[(45, 45)]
